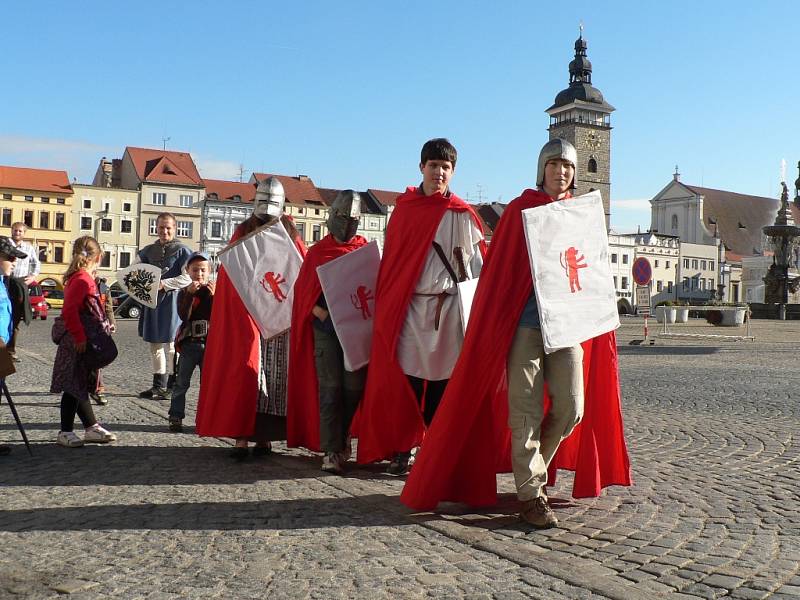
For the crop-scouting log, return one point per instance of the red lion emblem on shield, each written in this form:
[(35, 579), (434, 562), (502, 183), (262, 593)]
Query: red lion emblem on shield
[(272, 283), (571, 262)]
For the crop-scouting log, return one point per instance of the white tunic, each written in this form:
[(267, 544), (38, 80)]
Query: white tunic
[(423, 351)]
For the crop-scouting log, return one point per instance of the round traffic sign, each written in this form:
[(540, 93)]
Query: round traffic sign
[(642, 271)]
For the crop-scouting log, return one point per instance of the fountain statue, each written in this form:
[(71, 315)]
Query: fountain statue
[(783, 235)]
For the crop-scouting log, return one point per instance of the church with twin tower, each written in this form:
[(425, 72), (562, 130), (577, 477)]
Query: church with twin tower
[(581, 116)]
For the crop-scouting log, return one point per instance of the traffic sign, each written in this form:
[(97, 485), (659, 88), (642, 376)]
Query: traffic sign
[(642, 271), (643, 299)]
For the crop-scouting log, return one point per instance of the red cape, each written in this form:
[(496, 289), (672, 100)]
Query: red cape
[(231, 363), (469, 441), (390, 419), (302, 408)]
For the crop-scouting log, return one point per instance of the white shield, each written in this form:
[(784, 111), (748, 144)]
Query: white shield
[(348, 283), (568, 251), (141, 281), (263, 267)]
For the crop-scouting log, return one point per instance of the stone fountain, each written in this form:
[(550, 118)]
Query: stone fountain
[(783, 235)]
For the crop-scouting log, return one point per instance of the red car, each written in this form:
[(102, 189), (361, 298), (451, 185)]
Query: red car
[(38, 304)]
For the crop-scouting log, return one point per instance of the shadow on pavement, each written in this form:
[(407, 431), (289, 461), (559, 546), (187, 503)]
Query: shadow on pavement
[(115, 427), (667, 350), (314, 513), (113, 465)]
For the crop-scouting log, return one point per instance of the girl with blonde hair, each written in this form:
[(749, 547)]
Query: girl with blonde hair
[(83, 318)]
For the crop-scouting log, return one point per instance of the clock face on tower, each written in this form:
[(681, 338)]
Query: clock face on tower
[(593, 141)]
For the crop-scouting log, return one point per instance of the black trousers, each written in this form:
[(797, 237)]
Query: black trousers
[(70, 405), (433, 392)]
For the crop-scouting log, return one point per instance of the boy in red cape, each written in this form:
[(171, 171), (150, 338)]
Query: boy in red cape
[(433, 241), (323, 396), (495, 414), (234, 390)]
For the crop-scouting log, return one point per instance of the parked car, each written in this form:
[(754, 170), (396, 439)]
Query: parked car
[(38, 304), (125, 306), (54, 298)]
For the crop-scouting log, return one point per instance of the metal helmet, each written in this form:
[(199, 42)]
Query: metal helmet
[(557, 148), (270, 199), (344, 215)]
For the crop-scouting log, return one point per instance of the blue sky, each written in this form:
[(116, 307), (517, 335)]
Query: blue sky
[(347, 92)]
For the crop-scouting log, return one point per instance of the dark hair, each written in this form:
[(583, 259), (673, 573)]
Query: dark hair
[(438, 149), (166, 215)]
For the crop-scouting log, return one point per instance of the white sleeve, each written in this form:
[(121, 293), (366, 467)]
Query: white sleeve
[(176, 283)]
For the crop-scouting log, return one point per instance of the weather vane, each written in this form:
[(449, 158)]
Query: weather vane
[(580, 26), (783, 170)]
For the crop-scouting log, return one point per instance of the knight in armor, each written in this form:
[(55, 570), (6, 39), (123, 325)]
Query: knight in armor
[(502, 371), (323, 394), (434, 240), (243, 392), (159, 325)]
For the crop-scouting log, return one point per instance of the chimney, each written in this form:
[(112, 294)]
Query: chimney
[(107, 169)]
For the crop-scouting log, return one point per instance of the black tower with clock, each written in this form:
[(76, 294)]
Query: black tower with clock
[(581, 115)]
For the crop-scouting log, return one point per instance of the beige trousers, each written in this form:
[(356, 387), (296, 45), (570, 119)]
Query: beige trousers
[(534, 442)]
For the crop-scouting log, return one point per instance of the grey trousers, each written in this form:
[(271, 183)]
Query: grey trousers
[(339, 391), (533, 441)]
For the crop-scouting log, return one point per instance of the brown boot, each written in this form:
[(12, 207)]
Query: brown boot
[(538, 513)]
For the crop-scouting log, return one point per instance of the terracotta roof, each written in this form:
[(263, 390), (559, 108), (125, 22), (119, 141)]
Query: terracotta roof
[(490, 214), (227, 190), (739, 218), (299, 190), (385, 197), (164, 166), (39, 180)]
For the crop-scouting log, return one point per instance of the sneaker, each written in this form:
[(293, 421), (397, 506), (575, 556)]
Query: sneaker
[(399, 464), (176, 424), (332, 463), (96, 434), (69, 439), (538, 513), (99, 398)]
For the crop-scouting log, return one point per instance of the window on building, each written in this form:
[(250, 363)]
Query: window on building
[(592, 166), (667, 264), (61, 200), (316, 233), (28, 198), (124, 259), (669, 287), (126, 207), (301, 211), (58, 254), (105, 225), (45, 200), (316, 211), (87, 203), (685, 263), (6, 217), (614, 258), (694, 263), (703, 265), (624, 283), (674, 222), (659, 286), (105, 262), (184, 229), (61, 221), (301, 229), (6, 196), (86, 223), (152, 227), (685, 283), (44, 220), (125, 226), (702, 284), (216, 229), (711, 265), (710, 284), (186, 200), (624, 259), (43, 254), (656, 262), (159, 198), (27, 218), (615, 282), (107, 207)]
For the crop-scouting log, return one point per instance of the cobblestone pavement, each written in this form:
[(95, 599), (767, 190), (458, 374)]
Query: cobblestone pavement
[(713, 511)]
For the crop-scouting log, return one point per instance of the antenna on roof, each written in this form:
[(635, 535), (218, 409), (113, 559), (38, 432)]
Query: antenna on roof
[(165, 140), (241, 172)]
